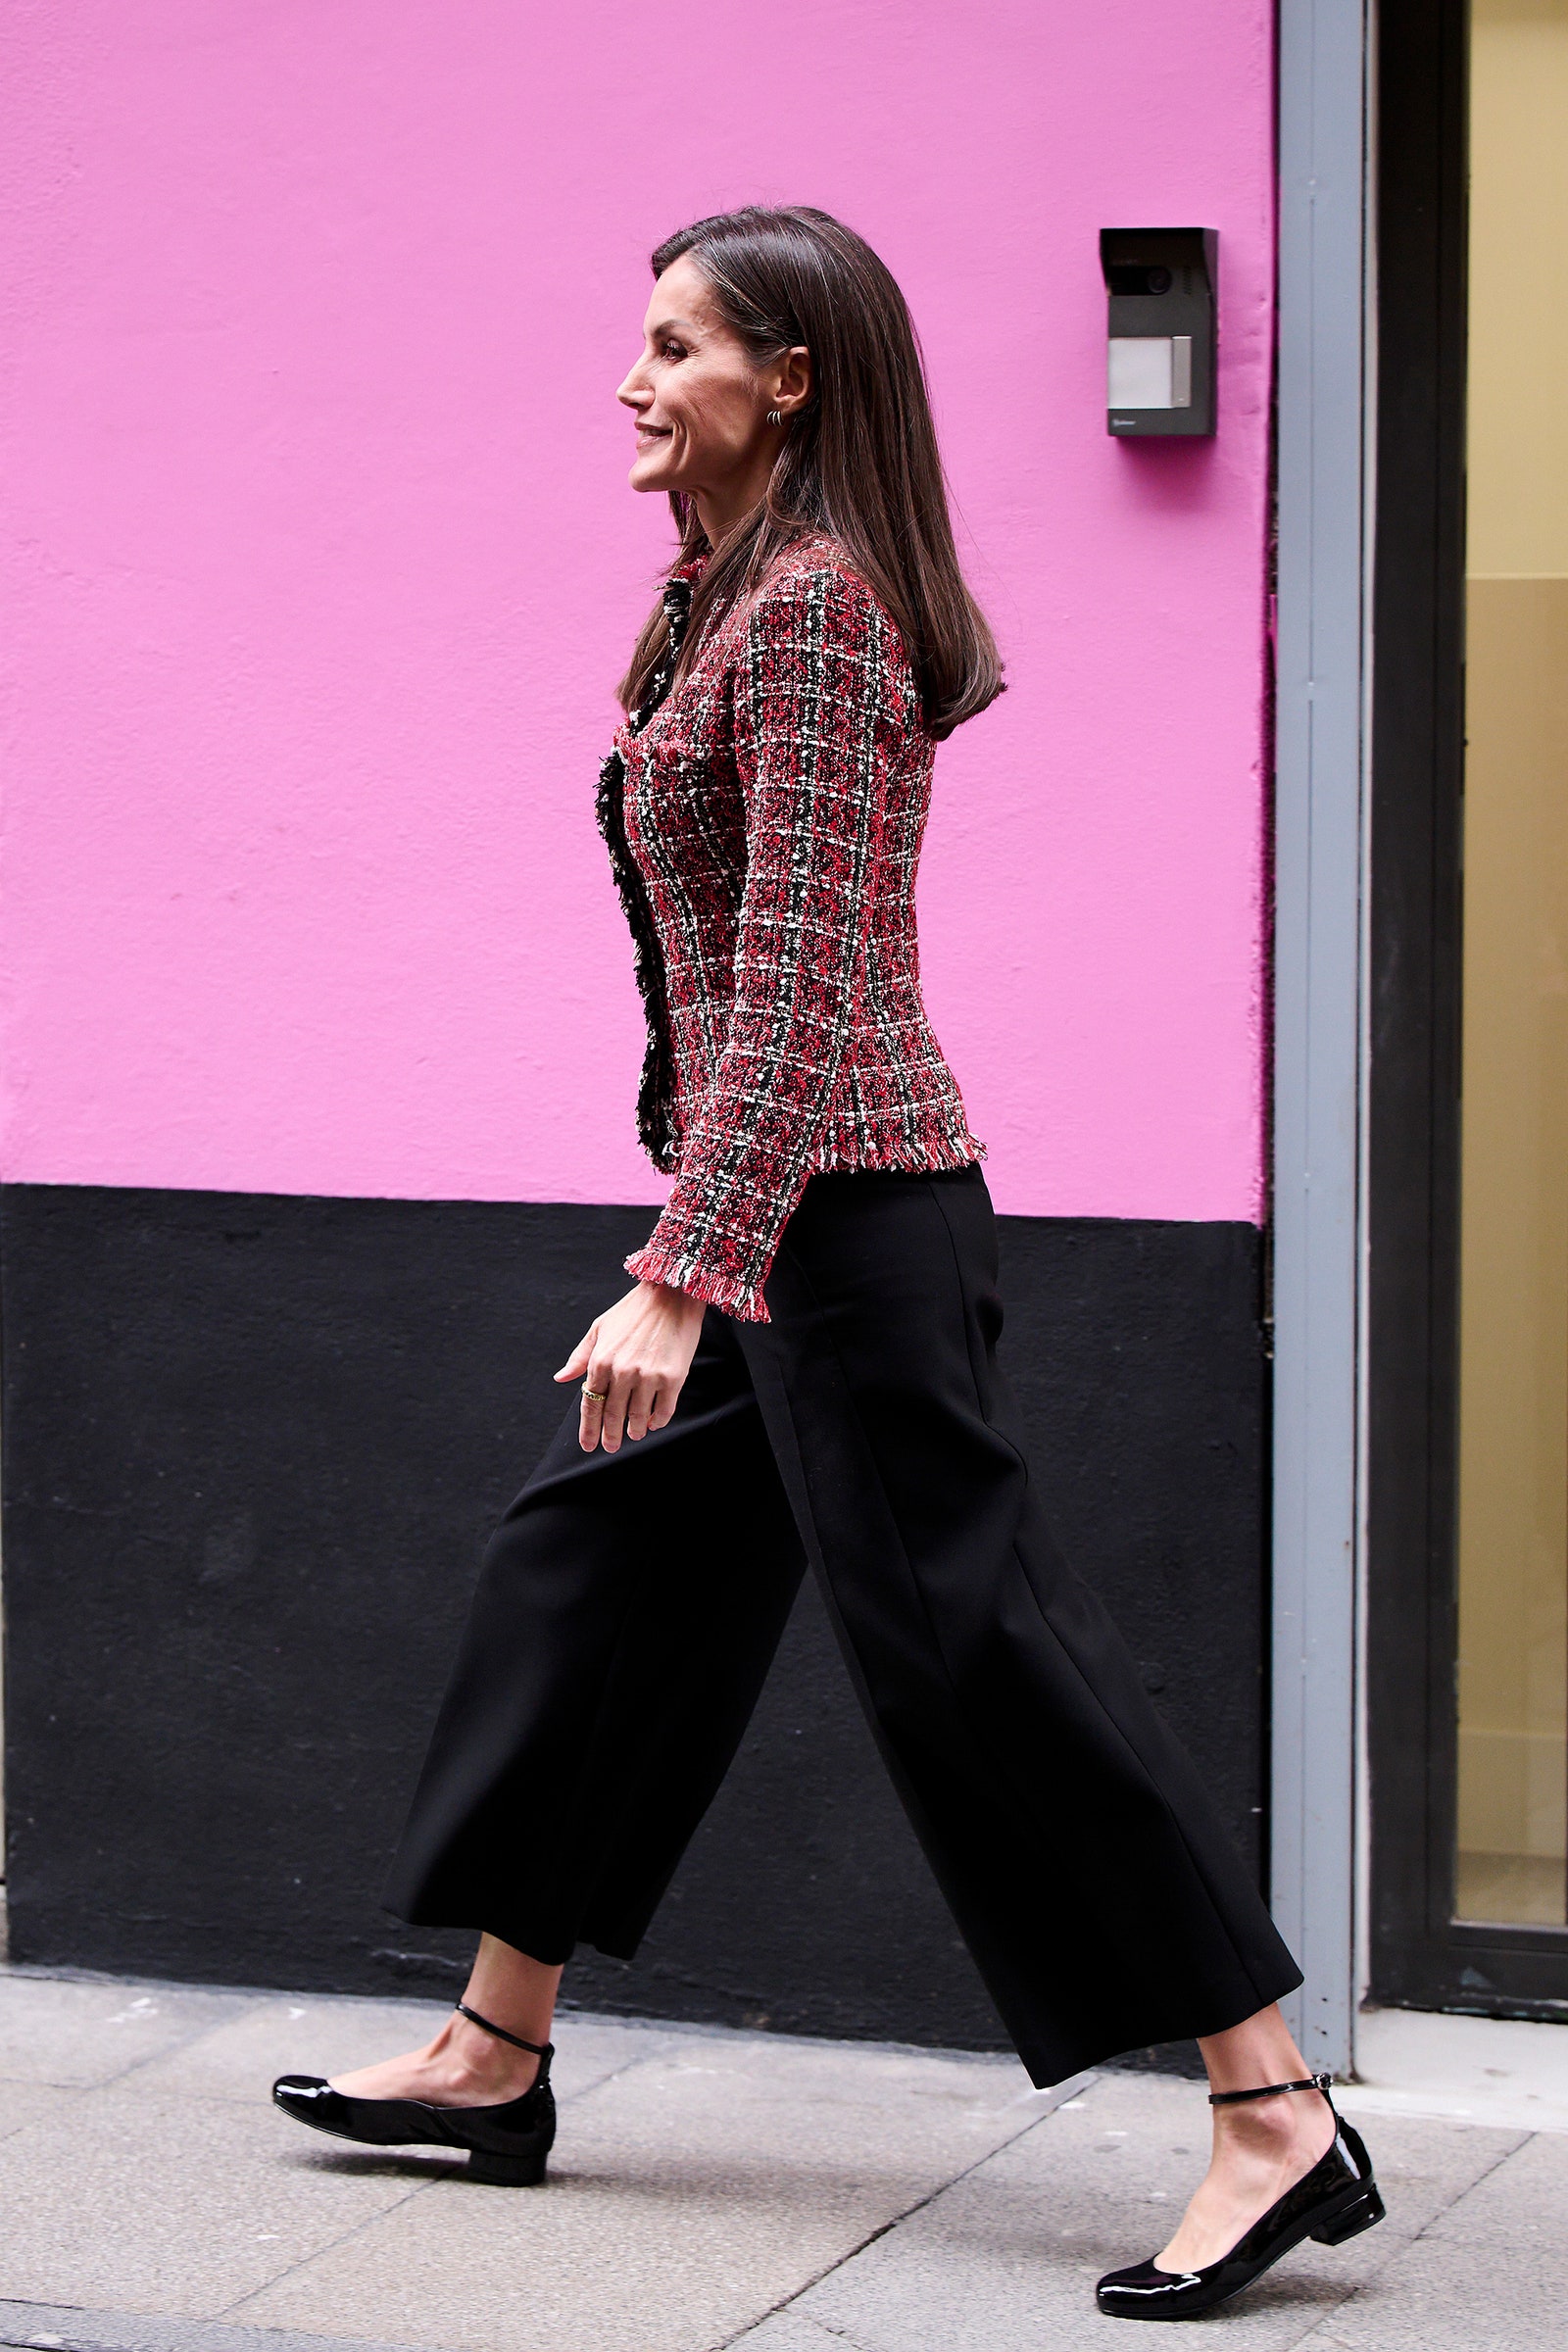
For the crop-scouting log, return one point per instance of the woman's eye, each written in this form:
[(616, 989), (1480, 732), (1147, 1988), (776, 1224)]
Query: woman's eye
[(672, 351)]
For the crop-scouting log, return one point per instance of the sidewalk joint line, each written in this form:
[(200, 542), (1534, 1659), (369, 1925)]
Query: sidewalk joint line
[(1470, 2188), (332, 2245), (415, 2189), (1069, 2090), (174, 2049), (627, 2066), (1396, 2246)]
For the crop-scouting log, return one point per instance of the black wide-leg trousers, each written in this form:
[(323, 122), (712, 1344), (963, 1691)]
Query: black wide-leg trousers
[(630, 1605)]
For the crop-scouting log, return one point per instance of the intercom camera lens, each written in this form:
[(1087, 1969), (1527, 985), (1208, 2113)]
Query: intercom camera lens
[(1159, 280)]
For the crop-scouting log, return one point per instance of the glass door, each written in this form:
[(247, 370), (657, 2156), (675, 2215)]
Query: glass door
[(1511, 1843)]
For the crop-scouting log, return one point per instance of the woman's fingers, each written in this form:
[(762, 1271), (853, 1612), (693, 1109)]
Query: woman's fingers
[(620, 1385), (640, 1407), (590, 1419), (633, 1404), (599, 1374), (666, 1396), (576, 1363)]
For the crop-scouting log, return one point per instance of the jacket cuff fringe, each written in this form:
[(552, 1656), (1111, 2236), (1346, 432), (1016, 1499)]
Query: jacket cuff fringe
[(743, 1300)]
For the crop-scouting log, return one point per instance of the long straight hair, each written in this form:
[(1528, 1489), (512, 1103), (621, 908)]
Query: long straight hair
[(859, 464)]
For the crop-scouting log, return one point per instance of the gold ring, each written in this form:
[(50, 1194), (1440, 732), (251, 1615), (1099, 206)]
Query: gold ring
[(594, 1396)]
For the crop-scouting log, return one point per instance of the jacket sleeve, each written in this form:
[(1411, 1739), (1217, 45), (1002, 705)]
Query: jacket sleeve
[(820, 699)]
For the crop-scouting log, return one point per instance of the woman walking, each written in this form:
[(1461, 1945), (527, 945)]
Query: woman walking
[(805, 1371)]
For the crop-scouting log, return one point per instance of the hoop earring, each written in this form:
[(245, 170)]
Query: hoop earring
[(774, 416)]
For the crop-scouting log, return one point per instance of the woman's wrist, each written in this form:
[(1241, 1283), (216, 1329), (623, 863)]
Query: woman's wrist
[(673, 1300)]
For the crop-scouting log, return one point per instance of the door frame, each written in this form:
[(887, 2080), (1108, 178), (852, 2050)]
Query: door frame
[(1319, 848), (1419, 1956)]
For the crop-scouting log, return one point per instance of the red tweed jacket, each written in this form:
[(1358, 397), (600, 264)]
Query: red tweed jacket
[(763, 824)]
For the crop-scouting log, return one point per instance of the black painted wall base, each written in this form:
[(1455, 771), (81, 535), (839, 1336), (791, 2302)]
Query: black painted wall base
[(253, 1446)]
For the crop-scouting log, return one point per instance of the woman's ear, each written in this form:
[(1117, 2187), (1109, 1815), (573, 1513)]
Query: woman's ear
[(792, 381)]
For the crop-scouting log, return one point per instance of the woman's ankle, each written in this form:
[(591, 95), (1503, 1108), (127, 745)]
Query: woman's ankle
[(511, 1990), (1269, 2128), (491, 2067), (1260, 2051)]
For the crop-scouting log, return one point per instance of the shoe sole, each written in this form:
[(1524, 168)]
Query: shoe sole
[(507, 2172), (526, 2170)]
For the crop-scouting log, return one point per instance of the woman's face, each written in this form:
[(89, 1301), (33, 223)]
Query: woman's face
[(700, 401)]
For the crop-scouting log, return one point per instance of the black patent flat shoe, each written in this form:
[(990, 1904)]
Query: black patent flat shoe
[(1335, 2201), (507, 2145)]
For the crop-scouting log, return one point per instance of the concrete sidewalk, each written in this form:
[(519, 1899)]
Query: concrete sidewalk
[(709, 2189)]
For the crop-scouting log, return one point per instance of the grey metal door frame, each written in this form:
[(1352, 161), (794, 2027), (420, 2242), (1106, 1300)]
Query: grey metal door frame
[(1325, 249)]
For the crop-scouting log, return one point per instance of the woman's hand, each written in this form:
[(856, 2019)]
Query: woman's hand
[(636, 1359)]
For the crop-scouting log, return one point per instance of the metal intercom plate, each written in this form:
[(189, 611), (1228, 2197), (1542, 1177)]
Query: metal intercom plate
[(1160, 352)]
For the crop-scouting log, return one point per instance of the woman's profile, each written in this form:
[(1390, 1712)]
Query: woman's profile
[(805, 1374)]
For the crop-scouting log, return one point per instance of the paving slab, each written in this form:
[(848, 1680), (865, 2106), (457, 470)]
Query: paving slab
[(151, 2202), (67, 2327), (85, 2034), (789, 2331), (710, 2189), (725, 2175), (240, 2056), (1483, 2070), (1436, 2297), (25, 2103), (1011, 2252), (1519, 2202)]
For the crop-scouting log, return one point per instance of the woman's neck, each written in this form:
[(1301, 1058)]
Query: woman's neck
[(720, 509)]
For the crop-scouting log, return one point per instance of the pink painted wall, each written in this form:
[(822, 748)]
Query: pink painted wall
[(321, 565)]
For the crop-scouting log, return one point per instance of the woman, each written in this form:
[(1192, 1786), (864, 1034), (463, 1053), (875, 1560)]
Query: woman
[(805, 1369)]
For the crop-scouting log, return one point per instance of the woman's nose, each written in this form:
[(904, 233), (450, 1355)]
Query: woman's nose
[(636, 395)]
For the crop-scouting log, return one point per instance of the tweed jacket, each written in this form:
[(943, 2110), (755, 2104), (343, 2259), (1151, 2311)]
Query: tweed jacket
[(764, 822)]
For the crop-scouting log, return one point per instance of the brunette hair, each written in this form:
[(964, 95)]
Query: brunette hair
[(859, 462)]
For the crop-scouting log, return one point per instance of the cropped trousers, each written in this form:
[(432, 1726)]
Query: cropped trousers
[(630, 1603)]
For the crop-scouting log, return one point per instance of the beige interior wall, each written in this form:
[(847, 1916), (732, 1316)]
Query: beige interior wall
[(1513, 1677), (1517, 455), (1513, 1479)]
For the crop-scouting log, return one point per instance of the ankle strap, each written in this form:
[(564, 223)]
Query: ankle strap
[(1270, 2090), (540, 2049)]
